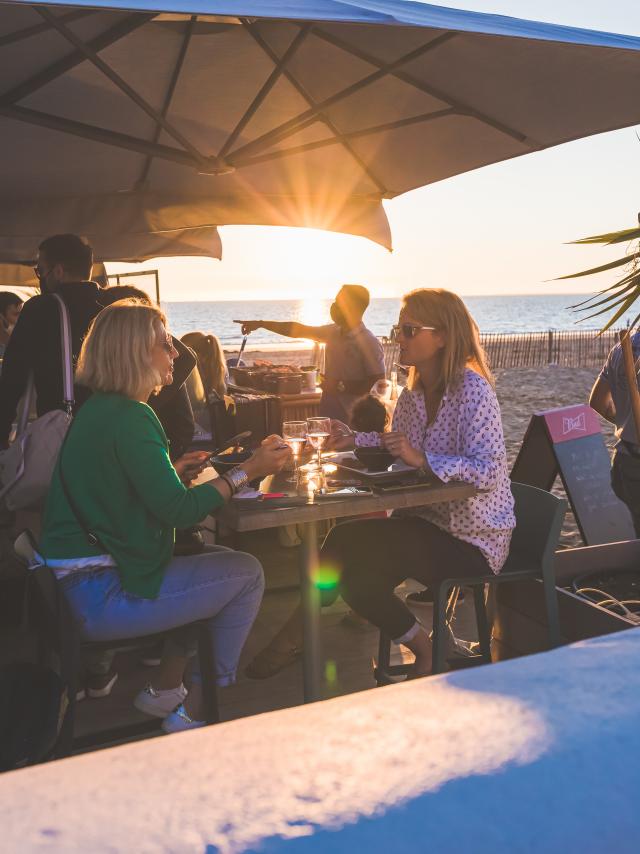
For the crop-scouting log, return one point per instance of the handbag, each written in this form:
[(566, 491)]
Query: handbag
[(26, 467)]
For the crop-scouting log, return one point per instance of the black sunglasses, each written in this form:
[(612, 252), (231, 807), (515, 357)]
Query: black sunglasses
[(409, 330)]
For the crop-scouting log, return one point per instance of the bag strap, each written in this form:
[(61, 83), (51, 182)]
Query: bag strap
[(67, 356), (92, 538)]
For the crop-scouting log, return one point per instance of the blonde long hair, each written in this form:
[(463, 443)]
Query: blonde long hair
[(212, 364), (116, 355), (448, 313)]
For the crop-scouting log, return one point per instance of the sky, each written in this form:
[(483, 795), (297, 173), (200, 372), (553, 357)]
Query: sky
[(498, 230)]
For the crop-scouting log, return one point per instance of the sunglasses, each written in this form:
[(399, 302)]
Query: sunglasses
[(408, 330)]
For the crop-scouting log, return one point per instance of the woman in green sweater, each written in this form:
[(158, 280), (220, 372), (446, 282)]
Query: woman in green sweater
[(113, 506)]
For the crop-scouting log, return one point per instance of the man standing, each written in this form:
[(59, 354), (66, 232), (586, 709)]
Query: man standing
[(64, 266), (353, 357), (610, 398)]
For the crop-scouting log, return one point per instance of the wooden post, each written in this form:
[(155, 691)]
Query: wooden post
[(632, 379)]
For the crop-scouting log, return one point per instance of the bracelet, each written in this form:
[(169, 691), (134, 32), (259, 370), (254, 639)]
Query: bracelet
[(236, 478), (228, 482)]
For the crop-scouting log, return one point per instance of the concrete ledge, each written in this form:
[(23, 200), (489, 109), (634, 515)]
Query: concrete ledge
[(535, 754)]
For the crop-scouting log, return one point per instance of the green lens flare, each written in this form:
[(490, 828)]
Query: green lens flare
[(327, 578), (331, 672)]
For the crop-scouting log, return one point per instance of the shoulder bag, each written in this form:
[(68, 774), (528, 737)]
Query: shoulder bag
[(27, 466)]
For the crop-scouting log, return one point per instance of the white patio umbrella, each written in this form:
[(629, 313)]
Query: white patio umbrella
[(130, 117)]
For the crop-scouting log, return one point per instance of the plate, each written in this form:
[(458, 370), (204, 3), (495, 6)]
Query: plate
[(348, 462)]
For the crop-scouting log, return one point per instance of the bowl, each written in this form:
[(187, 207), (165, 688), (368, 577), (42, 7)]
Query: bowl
[(374, 459), (225, 462)]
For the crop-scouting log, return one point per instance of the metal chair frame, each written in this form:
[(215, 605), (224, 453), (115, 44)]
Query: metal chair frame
[(539, 518), (58, 632)]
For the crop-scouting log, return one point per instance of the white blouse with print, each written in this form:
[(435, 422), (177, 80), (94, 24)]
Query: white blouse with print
[(464, 442)]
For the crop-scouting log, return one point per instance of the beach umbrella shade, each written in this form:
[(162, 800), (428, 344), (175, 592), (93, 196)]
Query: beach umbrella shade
[(127, 117)]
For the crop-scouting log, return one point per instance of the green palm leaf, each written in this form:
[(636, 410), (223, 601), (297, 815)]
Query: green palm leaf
[(622, 294), (626, 259), (613, 237)]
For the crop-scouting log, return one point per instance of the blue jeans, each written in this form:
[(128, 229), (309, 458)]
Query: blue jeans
[(219, 585)]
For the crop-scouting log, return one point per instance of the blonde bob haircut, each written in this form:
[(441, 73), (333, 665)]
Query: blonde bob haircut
[(449, 315), (116, 356)]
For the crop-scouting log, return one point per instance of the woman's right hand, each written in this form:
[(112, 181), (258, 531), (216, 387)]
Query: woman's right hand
[(269, 458)]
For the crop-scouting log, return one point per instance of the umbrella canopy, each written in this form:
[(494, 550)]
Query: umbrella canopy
[(128, 118)]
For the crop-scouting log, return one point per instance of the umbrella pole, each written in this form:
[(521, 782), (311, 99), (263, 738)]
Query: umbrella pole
[(632, 379)]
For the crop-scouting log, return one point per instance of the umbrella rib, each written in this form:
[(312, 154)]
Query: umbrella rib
[(276, 74), (118, 81), (36, 29), (339, 137), (357, 134), (297, 123), (428, 89), (169, 94), (61, 66), (97, 134)]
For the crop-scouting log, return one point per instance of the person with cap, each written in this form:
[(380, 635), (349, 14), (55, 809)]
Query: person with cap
[(353, 357)]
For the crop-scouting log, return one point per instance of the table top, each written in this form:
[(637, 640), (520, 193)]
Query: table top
[(268, 513)]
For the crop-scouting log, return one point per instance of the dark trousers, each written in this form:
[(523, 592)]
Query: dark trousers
[(371, 557), (625, 481)]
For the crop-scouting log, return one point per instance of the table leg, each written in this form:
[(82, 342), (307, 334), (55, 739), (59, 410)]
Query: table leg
[(310, 612)]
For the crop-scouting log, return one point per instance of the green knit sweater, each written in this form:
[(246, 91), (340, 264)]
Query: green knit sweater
[(117, 469)]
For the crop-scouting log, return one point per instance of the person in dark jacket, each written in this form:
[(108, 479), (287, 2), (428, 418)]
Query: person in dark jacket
[(64, 266)]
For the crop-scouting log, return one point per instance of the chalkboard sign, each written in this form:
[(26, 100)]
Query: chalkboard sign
[(568, 441)]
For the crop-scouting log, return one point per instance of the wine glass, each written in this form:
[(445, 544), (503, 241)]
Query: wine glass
[(294, 434), (318, 431)]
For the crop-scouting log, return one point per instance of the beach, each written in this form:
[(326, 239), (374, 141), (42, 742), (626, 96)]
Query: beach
[(521, 392)]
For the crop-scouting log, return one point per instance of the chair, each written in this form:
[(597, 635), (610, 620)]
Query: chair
[(58, 632), (539, 517)]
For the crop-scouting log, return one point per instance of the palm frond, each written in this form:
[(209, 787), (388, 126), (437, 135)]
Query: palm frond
[(626, 259)]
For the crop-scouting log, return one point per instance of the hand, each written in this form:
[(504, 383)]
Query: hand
[(269, 458), (398, 445), (249, 325), (190, 465), (342, 438)]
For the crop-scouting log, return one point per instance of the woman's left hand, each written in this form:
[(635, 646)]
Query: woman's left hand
[(190, 465), (398, 445)]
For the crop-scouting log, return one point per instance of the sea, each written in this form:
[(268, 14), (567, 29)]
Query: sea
[(510, 314)]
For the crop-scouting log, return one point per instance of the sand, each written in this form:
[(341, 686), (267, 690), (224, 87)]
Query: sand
[(521, 392)]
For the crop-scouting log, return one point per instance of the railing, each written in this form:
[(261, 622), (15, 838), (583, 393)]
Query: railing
[(582, 348)]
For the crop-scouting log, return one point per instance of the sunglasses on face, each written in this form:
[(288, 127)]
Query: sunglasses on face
[(409, 330)]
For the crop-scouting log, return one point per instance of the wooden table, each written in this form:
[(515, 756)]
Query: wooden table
[(307, 511)]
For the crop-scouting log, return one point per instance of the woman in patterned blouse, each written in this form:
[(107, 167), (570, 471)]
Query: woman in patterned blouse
[(447, 424)]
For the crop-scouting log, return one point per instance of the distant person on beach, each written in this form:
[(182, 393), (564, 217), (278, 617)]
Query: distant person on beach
[(446, 425), (610, 398), (114, 478), (10, 308), (64, 266), (353, 358)]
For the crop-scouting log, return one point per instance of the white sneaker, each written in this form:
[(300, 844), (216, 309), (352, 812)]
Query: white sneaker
[(159, 703), (179, 721)]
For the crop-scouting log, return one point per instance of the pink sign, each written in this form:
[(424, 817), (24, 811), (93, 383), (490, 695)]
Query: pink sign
[(570, 422)]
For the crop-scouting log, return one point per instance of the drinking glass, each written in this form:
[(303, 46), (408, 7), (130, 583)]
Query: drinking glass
[(294, 434), (318, 431)]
